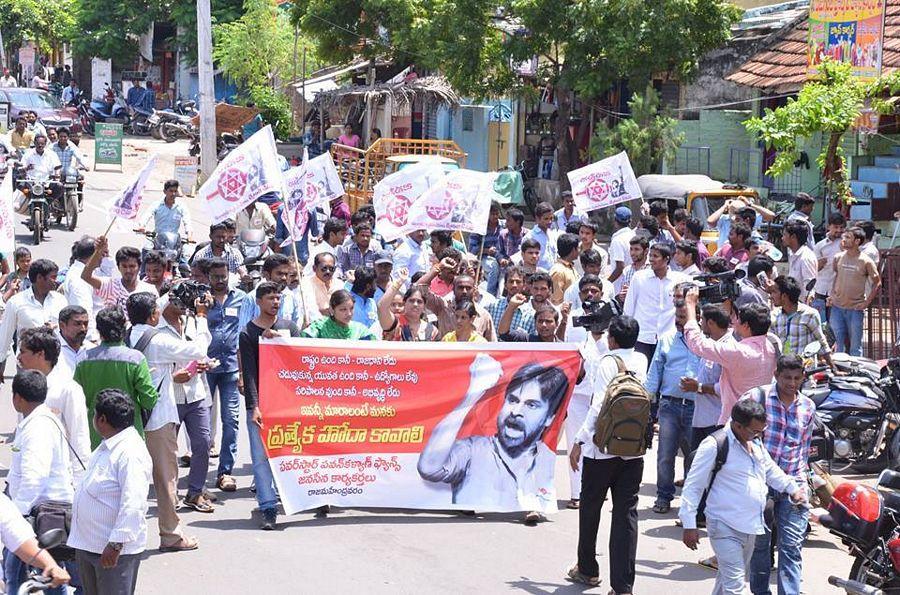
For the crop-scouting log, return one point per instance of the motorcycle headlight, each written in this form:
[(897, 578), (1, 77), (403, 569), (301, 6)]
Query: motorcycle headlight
[(72, 178), (37, 189)]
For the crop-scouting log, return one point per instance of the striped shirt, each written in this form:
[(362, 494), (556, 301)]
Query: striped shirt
[(798, 329), (523, 318), (231, 255), (789, 429)]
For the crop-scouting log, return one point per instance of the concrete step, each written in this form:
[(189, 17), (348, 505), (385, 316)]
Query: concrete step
[(872, 173), (871, 190), (887, 160)]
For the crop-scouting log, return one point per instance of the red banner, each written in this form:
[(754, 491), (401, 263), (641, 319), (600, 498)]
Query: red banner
[(414, 425)]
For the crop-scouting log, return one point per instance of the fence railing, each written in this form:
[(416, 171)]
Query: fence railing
[(692, 160), (744, 165), (883, 315)]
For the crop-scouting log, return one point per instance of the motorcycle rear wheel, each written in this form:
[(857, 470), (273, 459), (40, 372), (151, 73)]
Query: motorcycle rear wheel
[(71, 203), (155, 131), (862, 571), (167, 132)]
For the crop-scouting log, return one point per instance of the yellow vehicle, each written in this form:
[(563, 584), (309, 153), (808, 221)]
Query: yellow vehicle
[(360, 169), (700, 195)]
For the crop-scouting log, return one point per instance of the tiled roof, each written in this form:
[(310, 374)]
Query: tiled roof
[(781, 68)]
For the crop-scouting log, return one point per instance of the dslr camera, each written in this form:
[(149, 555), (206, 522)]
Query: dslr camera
[(185, 294), (597, 315), (718, 287)]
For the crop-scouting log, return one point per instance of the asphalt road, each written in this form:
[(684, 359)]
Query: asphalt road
[(385, 551)]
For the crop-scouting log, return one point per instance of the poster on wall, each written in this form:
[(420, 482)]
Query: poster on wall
[(101, 75), (849, 32), (26, 61)]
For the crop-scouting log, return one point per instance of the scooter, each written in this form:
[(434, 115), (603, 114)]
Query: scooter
[(254, 245), (112, 108)]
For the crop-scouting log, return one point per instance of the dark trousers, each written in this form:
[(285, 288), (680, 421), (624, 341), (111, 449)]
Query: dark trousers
[(648, 349), (623, 478), (698, 434), (96, 580)]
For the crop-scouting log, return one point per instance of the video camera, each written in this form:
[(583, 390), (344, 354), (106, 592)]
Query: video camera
[(185, 294), (719, 287), (597, 315)]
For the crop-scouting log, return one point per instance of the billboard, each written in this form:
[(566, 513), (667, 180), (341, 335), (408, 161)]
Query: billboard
[(851, 32)]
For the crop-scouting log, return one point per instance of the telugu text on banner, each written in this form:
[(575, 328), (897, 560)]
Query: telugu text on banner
[(425, 426), (460, 201), (604, 183), (849, 32)]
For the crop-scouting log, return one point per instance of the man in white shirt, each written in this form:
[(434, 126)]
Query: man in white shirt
[(40, 470), (109, 525), (7, 80), (686, 258), (333, 236), (163, 353), (592, 264), (412, 255), (257, 215), (76, 290), (649, 298), (737, 494), (803, 208), (72, 332), (619, 243), (803, 265), (39, 350), (38, 305), (114, 291), (40, 164), (825, 251), (603, 473), (568, 213)]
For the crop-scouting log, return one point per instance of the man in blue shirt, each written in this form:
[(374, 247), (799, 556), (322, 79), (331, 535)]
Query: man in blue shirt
[(490, 250), (365, 310), (169, 215), (223, 318), (543, 235), (671, 362)]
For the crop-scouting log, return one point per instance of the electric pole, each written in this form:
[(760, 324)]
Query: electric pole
[(208, 160)]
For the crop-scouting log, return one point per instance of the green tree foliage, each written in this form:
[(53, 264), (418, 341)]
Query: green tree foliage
[(275, 109), (45, 22), (649, 136), (828, 106), (584, 46), (111, 28), (184, 14)]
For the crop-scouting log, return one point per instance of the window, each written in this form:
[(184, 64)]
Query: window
[(468, 119)]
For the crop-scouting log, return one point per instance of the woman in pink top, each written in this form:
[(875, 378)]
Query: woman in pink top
[(348, 138), (747, 363)]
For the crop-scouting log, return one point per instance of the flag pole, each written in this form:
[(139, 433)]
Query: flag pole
[(480, 256), (299, 279)]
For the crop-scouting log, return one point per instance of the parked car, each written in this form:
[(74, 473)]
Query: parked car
[(50, 110)]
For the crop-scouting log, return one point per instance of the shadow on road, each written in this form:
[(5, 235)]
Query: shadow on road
[(542, 588), (673, 571)]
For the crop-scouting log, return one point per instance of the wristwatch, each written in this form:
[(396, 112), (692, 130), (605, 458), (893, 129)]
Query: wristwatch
[(115, 545)]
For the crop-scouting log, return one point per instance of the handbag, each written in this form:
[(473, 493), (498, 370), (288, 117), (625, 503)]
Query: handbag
[(51, 514)]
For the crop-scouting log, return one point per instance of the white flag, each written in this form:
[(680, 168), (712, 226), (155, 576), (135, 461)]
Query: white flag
[(322, 181), (7, 222), (461, 201), (604, 183), (395, 193), (311, 184), (127, 203), (248, 172)]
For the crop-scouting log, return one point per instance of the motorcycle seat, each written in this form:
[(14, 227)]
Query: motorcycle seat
[(890, 479), (891, 499)]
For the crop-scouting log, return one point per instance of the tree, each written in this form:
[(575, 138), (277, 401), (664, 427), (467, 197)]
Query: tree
[(584, 47), (256, 49), (649, 137), (828, 106), (111, 28), (45, 22)]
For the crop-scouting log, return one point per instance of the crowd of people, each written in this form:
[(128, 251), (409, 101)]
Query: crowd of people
[(117, 351)]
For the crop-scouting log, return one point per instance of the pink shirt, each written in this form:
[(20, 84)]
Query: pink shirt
[(745, 364)]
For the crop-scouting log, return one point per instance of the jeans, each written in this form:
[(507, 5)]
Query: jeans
[(790, 522), (675, 423), (15, 573), (490, 271), (230, 410), (733, 551), (847, 324), (195, 419), (821, 308), (623, 478), (266, 496)]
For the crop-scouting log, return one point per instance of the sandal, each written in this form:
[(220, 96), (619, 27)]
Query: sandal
[(226, 483), (185, 544), (573, 504), (711, 563), (576, 576), (199, 503)]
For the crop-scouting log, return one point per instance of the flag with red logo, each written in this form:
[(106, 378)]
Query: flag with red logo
[(307, 186), (127, 203), (604, 183), (460, 201), (248, 172), (394, 195)]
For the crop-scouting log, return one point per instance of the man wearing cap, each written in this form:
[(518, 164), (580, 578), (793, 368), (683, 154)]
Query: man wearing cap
[(567, 214), (384, 266), (619, 247)]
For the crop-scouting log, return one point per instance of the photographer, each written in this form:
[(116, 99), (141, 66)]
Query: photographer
[(746, 363), (755, 287), (163, 353)]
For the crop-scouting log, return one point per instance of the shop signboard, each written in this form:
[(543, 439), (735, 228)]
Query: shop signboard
[(848, 32), (108, 144), (186, 173)]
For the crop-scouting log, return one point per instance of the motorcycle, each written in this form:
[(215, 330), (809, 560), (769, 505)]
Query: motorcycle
[(37, 200), (182, 112), (865, 518), (73, 198), (139, 121), (172, 130), (254, 246), (36, 582), (112, 108), (171, 245), (225, 144), (861, 408)]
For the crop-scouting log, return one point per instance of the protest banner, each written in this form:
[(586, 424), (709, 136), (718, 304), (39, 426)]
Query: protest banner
[(186, 167), (414, 425), (460, 201), (7, 221), (248, 172), (393, 196), (604, 183), (107, 144), (849, 32), (313, 183), (127, 203)]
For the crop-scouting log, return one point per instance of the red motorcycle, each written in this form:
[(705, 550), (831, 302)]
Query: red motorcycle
[(866, 520)]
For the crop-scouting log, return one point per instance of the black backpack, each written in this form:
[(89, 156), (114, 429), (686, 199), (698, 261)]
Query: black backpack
[(721, 438)]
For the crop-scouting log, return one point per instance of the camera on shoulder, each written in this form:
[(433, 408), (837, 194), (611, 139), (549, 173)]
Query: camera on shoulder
[(597, 315)]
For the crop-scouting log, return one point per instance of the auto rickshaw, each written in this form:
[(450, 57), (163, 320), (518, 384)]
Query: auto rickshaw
[(700, 195)]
